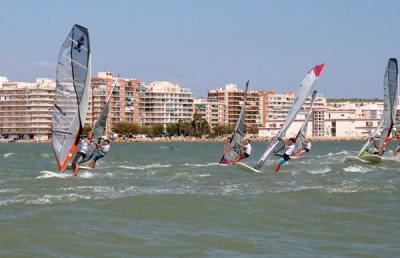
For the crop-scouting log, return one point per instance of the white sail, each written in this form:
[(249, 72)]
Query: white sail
[(71, 95), (301, 95), (232, 149), (301, 135)]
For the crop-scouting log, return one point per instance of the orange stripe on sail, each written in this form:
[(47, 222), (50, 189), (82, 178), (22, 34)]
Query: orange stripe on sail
[(61, 167), (385, 141)]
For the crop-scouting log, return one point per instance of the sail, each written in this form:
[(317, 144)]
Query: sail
[(99, 127), (232, 149), (71, 95), (301, 95), (301, 140), (391, 80), (369, 144)]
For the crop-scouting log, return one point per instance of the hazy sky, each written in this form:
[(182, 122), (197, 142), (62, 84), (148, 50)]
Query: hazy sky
[(207, 44)]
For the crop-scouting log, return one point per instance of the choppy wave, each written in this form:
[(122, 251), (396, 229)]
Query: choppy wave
[(155, 165), (8, 154), (357, 169), (320, 170), (201, 165), (51, 174)]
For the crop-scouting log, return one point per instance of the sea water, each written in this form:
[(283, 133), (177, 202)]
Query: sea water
[(173, 200)]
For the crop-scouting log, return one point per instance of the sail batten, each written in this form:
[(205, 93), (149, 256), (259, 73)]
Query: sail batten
[(304, 90), (72, 78)]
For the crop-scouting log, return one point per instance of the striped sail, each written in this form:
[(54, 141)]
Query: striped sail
[(71, 95), (301, 140), (232, 149), (304, 90), (391, 87)]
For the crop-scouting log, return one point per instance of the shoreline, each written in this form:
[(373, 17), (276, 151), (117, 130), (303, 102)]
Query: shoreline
[(194, 139)]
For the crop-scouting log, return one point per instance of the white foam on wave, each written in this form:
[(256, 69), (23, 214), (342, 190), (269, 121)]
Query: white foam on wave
[(204, 175), (45, 199), (106, 192), (234, 189), (9, 190), (85, 174), (356, 169), (320, 170), (333, 154), (343, 152), (202, 165), (51, 174), (45, 155), (51, 198), (8, 154), (155, 165), (300, 188), (351, 187), (109, 174)]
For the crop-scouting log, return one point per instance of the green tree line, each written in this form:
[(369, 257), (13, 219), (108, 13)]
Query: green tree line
[(197, 128)]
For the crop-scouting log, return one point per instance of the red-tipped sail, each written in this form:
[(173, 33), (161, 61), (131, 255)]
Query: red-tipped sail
[(318, 69), (305, 88)]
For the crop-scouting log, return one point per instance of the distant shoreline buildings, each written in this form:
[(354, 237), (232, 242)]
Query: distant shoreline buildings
[(25, 108)]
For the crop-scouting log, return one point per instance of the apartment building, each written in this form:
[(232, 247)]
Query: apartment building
[(232, 98), (124, 101), (211, 110), (352, 120), (165, 103), (275, 107), (26, 109)]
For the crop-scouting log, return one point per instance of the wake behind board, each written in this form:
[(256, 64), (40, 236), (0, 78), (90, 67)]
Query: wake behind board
[(49, 174), (369, 159), (69, 167), (247, 167)]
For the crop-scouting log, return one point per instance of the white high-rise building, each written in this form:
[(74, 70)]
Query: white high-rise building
[(26, 109), (165, 103), (276, 107)]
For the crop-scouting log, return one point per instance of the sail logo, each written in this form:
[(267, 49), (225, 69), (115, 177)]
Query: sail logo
[(80, 43), (62, 91), (60, 109), (61, 132)]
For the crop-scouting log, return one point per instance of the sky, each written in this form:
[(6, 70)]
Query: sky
[(206, 44)]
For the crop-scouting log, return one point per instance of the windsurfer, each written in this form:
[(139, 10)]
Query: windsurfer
[(397, 149), (289, 148), (374, 147), (82, 152), (306, 148), (246, 153), (101, 150)]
